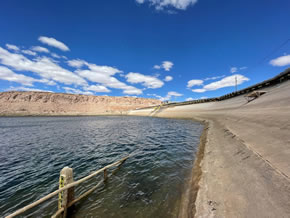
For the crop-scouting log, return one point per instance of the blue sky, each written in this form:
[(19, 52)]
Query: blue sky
[(167, 49)]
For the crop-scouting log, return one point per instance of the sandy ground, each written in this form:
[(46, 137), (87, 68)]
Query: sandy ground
[(246, 164)]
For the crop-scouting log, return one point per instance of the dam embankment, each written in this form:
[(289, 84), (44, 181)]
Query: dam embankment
[(246, 163)]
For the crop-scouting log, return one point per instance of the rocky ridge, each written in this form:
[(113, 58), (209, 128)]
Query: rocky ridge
[(16, 103)]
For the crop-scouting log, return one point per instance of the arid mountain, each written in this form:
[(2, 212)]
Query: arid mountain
[(17, 103)]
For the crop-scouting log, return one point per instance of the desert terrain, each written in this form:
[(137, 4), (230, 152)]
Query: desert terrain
[(17, 103)]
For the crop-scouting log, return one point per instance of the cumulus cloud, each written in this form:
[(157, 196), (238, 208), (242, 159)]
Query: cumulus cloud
[(49, 72), (29, 52), (9, 75), (97, 88), (189, 99), (157, 67), (225, 82), (53, 42), (110, 71), (170, 95), (176, 94), (167, 97), (43, 66), (40, 49), (168, 78), (161, 4), (104, 78), (22, 88), (55, 55), (147, 81), (130, 90), (214, 77), (12, 47), (77, 63), (76, 91), (281, 61), (237, 69), (194, 82), (199, 90), (234, 70), (166, 65)]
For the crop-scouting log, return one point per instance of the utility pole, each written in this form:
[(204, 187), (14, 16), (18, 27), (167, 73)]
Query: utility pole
[(236, 83)]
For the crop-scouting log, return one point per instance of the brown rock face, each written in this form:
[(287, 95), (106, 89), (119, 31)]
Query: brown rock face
[(44, 103)]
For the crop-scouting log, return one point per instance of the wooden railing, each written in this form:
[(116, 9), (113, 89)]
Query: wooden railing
[(66, 190)]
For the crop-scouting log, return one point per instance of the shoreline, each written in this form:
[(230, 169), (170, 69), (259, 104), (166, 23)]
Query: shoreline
[(188, 201)]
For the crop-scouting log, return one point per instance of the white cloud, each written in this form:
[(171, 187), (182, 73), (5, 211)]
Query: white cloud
[(237, 69), (157, 67), (281, 61), (166, 65), (51, 72), (9, 75), (198, 90), (55, 55), (204, 97), (130, 90), (104, 78), (169, 96), (21, 88), (168, 78), (43, 66), (28, 52), (225, 82), (234, 69), (161, 4), (147, 81), (214, 77), (40, 49), (176, 94), (110, 71), (189, 99), (77, 63), (76, 91), (194, 82), (97, 88), (53, 42), (12, 47)]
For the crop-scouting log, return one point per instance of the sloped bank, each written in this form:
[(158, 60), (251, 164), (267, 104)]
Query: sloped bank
[(246, 163)]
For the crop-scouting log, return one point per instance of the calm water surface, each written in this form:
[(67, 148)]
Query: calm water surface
[(33, 150)]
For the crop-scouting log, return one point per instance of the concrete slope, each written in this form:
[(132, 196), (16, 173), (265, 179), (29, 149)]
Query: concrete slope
[(246, 167)]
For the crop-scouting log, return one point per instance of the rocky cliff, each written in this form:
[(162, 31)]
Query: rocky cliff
[(17, 103)]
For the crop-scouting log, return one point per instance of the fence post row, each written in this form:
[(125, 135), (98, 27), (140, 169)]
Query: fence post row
[(66, 190)]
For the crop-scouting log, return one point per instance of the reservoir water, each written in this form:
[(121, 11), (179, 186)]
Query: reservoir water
[(33, 150)]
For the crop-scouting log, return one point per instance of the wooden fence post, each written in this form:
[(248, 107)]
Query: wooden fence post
[(105, 175), (67, 196)]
